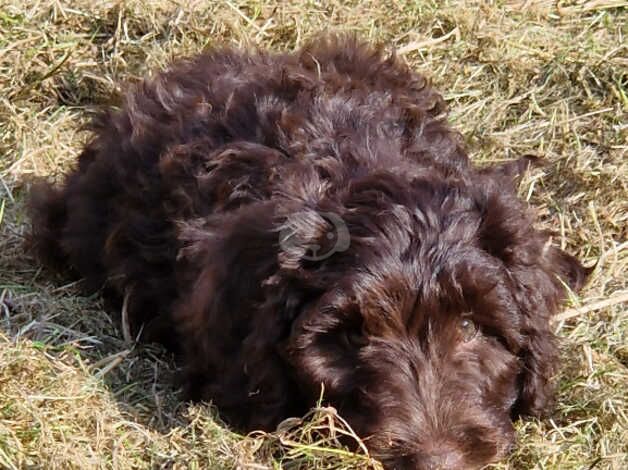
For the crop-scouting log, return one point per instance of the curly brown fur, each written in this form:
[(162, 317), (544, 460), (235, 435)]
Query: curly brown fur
[(206, 197)]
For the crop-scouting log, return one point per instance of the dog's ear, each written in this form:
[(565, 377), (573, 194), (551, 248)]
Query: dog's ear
[(231, 317), (541, 275), (539, 360), (512, 171), (539, 293), (567, 267)]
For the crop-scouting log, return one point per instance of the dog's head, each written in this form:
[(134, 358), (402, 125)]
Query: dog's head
[(433, 331), (421, 304)]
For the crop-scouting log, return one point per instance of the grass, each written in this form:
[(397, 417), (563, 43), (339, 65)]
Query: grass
[(534, 76)]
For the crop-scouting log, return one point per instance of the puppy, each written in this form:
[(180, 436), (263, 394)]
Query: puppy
[(288, 221)]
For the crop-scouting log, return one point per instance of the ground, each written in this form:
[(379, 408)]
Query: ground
[(537, 76)]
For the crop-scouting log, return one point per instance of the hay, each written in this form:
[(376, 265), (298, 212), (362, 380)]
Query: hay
[(541, 77)]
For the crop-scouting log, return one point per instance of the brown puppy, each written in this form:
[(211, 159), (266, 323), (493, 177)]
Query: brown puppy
[(292, 220)]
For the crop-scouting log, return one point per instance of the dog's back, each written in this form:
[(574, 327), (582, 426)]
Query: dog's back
[(213, 133)]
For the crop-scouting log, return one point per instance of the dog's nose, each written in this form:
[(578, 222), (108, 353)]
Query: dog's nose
[(444, 456)]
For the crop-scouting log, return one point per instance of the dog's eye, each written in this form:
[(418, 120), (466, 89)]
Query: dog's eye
[(468, 329), (354, 338)]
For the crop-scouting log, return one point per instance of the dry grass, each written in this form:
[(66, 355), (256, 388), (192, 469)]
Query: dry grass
[(521, 76)]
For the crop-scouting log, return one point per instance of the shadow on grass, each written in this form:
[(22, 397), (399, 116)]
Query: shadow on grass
[(69, 376)]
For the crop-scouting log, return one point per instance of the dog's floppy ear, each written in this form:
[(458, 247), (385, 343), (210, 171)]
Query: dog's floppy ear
[(231, 308), (541, 275), (541, 289), (567, 267), (512, 171), (538, 292)]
